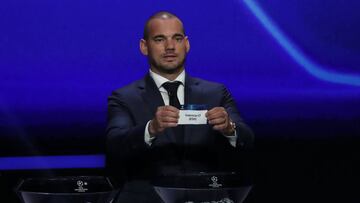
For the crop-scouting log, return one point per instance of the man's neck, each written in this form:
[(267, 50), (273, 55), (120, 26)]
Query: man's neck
[(170, 76)]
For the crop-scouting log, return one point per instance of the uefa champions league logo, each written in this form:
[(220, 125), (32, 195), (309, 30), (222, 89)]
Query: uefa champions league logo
[(214, 183), (81, 185)]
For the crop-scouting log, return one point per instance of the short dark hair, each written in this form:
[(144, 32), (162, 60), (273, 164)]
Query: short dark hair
[(159, 15)]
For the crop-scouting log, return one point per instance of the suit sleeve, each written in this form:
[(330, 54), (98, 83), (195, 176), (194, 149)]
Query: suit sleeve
[(245, 137), (125, 137)]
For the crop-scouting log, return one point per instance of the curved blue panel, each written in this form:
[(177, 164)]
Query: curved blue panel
[(321, 72)]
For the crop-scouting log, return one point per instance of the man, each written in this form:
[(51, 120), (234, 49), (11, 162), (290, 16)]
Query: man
[(144, 138)]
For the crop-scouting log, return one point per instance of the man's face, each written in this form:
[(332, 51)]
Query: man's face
[(166, 46)]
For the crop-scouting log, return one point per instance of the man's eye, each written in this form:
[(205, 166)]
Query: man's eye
[(158, 39), (179, 39)]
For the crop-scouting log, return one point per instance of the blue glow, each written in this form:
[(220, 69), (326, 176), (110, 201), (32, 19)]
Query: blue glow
[(310, 66), (60, 60), (52, 162)]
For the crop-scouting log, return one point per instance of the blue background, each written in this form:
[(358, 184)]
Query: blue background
[(60, 60)]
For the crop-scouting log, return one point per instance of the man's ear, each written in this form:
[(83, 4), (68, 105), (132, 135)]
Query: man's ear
[(187, 44), (143, 47)]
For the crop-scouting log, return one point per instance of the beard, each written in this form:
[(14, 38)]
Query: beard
[(167, 68)]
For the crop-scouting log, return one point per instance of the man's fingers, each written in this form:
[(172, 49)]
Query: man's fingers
[(166, 122), (220, 127), (168, 108), (219, 118), (159, 124), (217, 113), (165, 117), (164, 113), (168, 125), (168, 119), (217, 121)]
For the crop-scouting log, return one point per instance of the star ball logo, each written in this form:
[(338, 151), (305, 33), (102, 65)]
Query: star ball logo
[(214, 183), (81, 185)]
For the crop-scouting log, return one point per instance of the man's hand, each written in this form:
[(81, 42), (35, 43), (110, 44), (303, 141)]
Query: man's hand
[(219, 118), (165, 117)]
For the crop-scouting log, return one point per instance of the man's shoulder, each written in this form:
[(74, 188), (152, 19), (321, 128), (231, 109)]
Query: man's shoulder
[(207, 83), (130, 92), (129, 88)]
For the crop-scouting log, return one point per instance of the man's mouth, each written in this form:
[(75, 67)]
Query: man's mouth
[(169, 57)]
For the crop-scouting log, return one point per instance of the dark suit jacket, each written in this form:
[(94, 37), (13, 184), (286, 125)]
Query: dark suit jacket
[(202, 149)]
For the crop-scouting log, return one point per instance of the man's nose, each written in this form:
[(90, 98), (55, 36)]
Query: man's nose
[(170, 44)]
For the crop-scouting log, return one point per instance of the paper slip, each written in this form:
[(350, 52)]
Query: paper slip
[(192, 117)]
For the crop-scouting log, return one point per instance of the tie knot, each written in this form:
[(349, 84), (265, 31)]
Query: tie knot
[(171, 87)]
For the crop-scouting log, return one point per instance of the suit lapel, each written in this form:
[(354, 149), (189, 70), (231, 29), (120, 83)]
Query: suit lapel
[(192, 90), (152, 98), (193, 95), (151, 95)]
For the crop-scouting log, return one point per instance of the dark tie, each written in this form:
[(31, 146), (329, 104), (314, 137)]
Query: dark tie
[(171, 88)]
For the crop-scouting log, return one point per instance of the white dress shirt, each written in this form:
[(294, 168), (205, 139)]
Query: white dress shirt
[(159, 81)]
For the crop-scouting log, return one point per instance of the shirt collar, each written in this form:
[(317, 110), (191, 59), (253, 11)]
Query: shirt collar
[(160, 80)]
